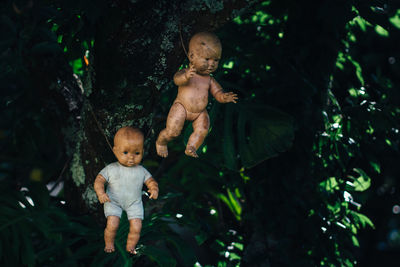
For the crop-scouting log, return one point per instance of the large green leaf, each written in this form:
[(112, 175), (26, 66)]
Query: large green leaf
[(160, 256), (186, 252), (263, 133)]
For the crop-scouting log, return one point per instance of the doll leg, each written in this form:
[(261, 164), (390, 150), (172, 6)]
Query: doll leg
[(175, 121), (110, 232), (135, 226), (200, 131)]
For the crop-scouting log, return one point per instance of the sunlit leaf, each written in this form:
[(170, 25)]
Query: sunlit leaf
[(237, 207), (361, 219), (358, 69), (376, 166), (330, 184), (355, 241), (381, 31), (361, 22), (395, 20), (363, 182), (238, 245)]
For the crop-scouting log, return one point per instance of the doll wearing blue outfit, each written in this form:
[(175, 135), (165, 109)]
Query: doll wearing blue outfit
[(124, 180), (124, 189)]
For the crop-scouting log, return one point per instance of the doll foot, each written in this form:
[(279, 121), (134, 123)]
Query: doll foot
[(131, 250), (109, 248), (162, 151), (191, 151)]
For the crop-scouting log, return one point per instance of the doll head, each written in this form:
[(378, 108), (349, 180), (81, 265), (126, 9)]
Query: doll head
[(128, 146), (204, 52)]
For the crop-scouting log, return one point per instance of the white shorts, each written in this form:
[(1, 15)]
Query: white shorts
[(134, 211)]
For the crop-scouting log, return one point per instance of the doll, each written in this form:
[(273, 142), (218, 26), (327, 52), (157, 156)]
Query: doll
[(124, 180), (192, 99)]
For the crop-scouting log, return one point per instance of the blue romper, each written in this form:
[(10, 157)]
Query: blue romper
[(124, 188)]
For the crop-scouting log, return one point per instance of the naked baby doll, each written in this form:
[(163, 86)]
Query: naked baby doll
[(192, 99), (124, 180)]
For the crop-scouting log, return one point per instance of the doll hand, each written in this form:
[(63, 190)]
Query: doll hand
[(103, 198), (153, 193), (230, 97), (190, 72)]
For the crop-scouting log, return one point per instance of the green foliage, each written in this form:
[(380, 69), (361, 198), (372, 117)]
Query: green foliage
[(37, 230)]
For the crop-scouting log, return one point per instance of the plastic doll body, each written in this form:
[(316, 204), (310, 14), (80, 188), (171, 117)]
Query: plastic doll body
[(194, 84), (125, 179)]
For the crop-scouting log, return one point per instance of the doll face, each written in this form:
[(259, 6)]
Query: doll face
[(129, 151), (205, 59)]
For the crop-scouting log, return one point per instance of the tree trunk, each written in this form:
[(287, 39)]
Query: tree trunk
[(137, 49)]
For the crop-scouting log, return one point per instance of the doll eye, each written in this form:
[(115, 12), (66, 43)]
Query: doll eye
[(137, 153), (125, 152)]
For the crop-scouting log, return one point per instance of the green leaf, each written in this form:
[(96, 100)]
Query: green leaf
[(348, 263), (237, 208), (381, 31), (160, 256), (238, 245), (28, 254), (201, 238), (121, 251), (360, 218), (186, 252), (361, 22), (232, 202), (77, 66), (263, 132), (355, 241), (329, 184), (226, 201), (234, 256), (376, 166), (358, 69), (13, 221), (395, 20), (363, 182)]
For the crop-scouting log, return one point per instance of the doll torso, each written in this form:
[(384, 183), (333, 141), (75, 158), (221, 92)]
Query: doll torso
[(194, 95), (125, 183)]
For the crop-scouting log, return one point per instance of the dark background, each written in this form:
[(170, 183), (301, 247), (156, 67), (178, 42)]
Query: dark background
[(303, 171)]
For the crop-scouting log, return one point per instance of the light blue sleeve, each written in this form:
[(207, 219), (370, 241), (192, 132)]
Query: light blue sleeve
[(147, 175), (104, 173)]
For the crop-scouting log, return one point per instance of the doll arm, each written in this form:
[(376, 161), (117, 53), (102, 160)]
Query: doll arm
[(183, 76), (152, 185), (219, 94), (99, 189)]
